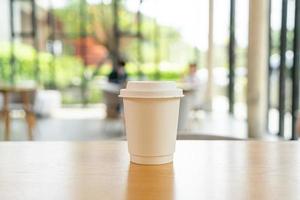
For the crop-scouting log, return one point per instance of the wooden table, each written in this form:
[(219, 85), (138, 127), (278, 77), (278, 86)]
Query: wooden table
[(25, 94), (101, 170)]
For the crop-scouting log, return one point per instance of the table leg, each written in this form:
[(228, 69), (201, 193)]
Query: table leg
[(29, 115), (5, 115)]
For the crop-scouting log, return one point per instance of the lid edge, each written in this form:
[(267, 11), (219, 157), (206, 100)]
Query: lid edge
[(153, 94), (151, 97)]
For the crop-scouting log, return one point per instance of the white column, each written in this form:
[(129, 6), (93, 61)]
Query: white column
[(257, 68), (4, 21), (210, 52)]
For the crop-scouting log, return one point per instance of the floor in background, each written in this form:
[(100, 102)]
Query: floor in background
[(90, 124), (216, 123)]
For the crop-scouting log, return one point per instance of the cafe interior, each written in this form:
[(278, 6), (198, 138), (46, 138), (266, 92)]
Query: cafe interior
[(63, 127)]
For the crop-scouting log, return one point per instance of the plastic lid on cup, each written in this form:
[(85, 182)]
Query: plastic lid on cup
[(151, 89)]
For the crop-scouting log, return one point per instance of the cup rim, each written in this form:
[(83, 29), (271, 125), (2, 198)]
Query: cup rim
[(151, 89)]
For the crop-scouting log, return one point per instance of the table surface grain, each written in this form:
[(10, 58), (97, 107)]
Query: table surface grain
[(101, 170)]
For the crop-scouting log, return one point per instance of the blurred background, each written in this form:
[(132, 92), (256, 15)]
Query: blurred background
[(62, 63)]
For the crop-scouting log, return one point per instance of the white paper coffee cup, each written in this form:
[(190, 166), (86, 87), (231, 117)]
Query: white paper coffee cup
[(151, 111)]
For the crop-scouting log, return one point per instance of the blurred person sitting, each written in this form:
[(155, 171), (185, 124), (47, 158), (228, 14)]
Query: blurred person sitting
[(192, 77), (117, 79), (196, 81), (118, 75)]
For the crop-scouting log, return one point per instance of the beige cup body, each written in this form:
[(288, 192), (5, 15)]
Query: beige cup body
[(151, 128)]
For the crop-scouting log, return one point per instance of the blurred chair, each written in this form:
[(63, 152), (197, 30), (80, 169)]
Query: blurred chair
[(192, 102), (111, 99), (46, 101), (18, 98)]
